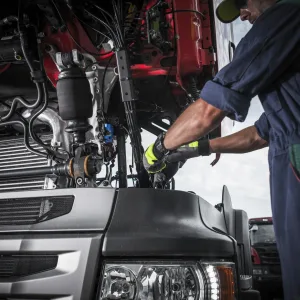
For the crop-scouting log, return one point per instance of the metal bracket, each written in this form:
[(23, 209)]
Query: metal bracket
[(126, 84)]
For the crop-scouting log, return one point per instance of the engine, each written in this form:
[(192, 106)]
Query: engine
[(77, 78)]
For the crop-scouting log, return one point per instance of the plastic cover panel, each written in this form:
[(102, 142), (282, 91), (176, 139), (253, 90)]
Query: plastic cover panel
[(90, 211), (148, 222), (243, 240), (229, 212), (74, 276)]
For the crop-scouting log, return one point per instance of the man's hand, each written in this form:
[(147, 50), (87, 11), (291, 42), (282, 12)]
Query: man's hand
[(157, 158), (155, 155)]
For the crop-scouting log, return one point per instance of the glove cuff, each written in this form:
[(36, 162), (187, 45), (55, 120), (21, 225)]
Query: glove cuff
[(159, 150), (204, 148)]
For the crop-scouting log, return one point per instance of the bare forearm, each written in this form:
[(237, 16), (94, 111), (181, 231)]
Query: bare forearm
[(244, 141), (196, 121)]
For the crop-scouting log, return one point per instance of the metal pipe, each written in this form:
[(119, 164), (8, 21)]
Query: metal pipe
[(59, 169), (51, 117)]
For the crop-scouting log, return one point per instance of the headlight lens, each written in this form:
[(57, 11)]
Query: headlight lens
[(168, 281)]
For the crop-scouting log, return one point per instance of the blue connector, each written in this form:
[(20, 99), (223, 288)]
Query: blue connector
[(109, 132)]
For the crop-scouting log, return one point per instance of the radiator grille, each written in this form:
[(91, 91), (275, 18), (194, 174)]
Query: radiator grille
[(26, 211), (268, 255), (25, 265), (15, 156)]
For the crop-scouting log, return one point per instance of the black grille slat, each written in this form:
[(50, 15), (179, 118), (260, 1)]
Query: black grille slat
[(268, 255), (27, 211), (25, 265)]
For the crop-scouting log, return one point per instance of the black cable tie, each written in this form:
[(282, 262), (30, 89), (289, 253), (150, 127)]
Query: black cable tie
[(37, 76)]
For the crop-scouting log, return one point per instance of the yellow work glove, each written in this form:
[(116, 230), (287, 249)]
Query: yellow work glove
[(154, 156), (157, 156)]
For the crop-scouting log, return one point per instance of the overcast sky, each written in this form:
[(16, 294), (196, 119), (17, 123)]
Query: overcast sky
[(246, 175)]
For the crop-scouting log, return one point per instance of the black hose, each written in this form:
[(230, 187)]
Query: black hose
[(59, 169), (20, 99), (26, 137), (41, 90), (193, 88), (34, 117), (25, 103)]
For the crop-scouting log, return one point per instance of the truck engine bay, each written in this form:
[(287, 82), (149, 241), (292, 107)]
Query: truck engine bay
[(77, 78)]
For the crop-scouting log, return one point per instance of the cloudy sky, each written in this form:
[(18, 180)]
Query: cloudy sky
[(246, 175)]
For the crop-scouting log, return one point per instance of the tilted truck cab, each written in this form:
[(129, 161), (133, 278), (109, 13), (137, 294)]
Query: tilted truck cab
[(122, 244)]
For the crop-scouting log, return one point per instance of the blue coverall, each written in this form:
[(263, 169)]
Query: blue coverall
[(267, 63)]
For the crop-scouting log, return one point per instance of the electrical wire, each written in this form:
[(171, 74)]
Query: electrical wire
[(71, 36), (103, 80), (114, 35), (93, 28), (186, 10)]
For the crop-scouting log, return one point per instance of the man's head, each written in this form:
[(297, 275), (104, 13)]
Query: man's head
[(250, 10)]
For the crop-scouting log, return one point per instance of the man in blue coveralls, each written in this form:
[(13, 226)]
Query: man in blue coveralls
[(266, 63)]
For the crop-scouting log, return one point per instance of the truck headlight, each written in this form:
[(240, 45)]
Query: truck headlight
[(168, 281)]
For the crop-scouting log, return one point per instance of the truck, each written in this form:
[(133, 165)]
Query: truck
[(78, 79), (267, 276)]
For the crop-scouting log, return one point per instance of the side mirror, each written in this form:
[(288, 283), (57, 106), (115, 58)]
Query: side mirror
[(253, 228)]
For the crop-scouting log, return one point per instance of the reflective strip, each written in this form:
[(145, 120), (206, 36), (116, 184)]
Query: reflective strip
[(150, 155), (193, 144)]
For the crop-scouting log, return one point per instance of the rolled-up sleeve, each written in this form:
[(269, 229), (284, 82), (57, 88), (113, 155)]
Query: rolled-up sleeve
[(263, 127), (265, 53)]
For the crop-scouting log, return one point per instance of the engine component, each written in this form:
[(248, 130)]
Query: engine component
[(51, 117), (102, 81), (158, 26), (14, 157), (109, 132), (68, 59), (90, 165), (75, 102), (10, 49), (128, 97)]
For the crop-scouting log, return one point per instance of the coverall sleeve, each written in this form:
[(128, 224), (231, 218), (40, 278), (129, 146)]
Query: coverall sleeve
[(263, 127), (266, 52)]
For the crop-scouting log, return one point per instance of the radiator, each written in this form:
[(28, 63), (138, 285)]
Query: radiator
[(15, 156)]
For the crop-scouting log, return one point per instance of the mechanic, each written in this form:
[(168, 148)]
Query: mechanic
[(266, 63)]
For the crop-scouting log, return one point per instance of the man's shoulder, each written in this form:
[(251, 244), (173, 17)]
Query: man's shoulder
[(283, 14), (297, 2)]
